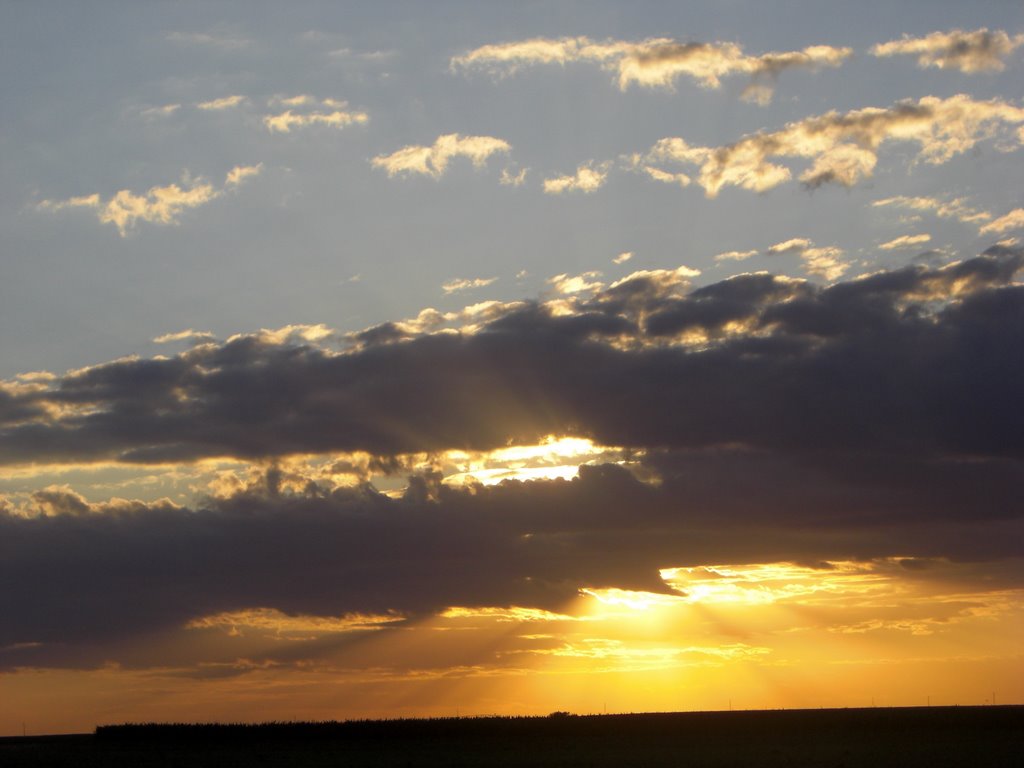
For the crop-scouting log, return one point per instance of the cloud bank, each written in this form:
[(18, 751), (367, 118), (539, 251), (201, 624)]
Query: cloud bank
[(523, 372), (872, 418)]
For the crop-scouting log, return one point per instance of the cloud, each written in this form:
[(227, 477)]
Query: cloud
[(735, 255), (349, 560), (163, 111), (227, 102), (240, 173), (825, 262), (1013, 220), (433, 160), (290, 391), (872, 418), (654, 63), (571, 284), (658, 174), (905, 241), (84, 201), (188, 335), (623, 257), (795, 245), (285, 121), (842, 148), (588, 178), (968, 52), (159, 205), (951, 209), (513, 180), (454, 286)]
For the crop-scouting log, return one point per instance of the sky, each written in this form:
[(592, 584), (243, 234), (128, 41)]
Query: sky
[(405, 359)]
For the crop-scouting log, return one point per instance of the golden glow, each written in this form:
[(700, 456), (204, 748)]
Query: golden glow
[(633, 600), (552, 458), (272, 620), (761, 583), (514, 613)]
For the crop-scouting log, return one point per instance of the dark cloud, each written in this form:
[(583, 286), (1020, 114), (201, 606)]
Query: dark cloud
[(874, 418), (896, 358), (92, 576)]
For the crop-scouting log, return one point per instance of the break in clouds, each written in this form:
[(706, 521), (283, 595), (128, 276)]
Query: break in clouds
[(756, 419)]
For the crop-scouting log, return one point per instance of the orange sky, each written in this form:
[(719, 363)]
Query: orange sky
[(407, 359)]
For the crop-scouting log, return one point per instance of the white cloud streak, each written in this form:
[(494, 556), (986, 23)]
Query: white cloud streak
[(467, 284), (513, 180), (735, 255), (158, 205), (951, 209), (433, 160), (823, 261), (285, 121), (240, 173), (655, 62), (226, 102), (588, 178), (1013, 220), (187, 335), (968, 52), (568, 285), (163, 111), (906, 241), (843, 147)]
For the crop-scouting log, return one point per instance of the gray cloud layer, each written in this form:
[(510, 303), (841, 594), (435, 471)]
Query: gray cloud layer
[(877, 358), (781, 420)]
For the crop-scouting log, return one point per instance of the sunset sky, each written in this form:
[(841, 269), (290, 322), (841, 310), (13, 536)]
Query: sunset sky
[(381, 359)]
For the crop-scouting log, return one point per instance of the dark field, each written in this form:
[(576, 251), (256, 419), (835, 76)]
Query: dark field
[(929, 737)]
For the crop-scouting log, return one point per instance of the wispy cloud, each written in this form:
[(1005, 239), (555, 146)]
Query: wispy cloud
[(434, 160), (162, 111), (1013, 220), (187, 335), (664, 176), (572, 284), (304, 110), (240, 173), (968, 52), (589, 177), (946, 209), (158, 205), (285, 121), (466, 284), (735, 255), (656, 62), (623, 257), (226, 102), (906, 241), (843, 147), (510, 179), (823, 261)]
